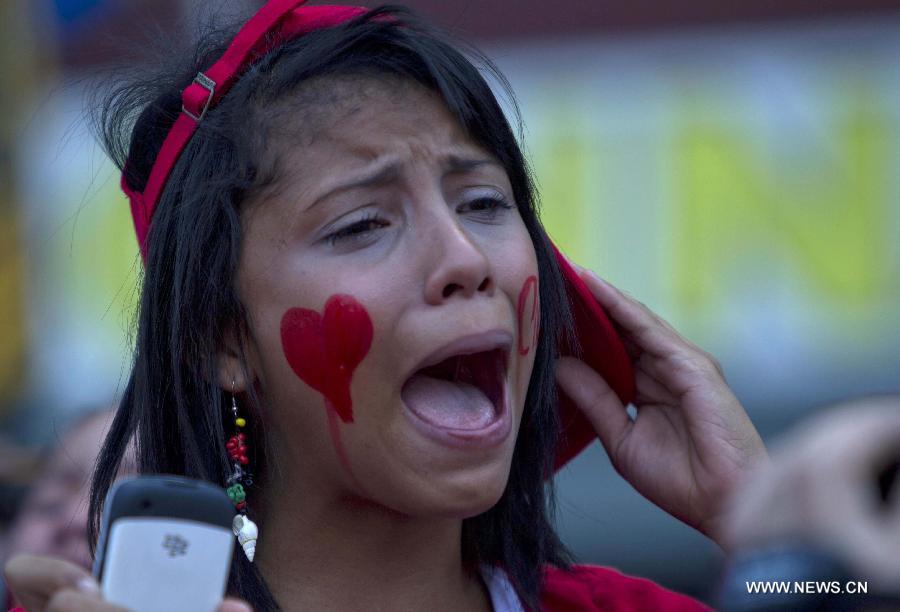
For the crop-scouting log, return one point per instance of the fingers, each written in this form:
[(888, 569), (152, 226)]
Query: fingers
[(644, 331), (680, 372), (595, 399), (648, 390), (629, 314), (70, 600), (667, 364), (34, 580), (850, 444), (234, 605), (856, 445), (822, 486), (872, 438), (578, 268), (861, 442), (647, 331), (43, 583)]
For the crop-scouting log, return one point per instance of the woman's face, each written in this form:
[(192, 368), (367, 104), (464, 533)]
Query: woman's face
[(54, 515), (391, 242)]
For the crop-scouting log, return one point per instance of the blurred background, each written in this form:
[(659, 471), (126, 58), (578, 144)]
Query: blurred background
[(736, 166)]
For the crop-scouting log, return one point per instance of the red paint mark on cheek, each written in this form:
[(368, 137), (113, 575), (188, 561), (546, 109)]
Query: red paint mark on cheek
[(529, 289), (324, 350)]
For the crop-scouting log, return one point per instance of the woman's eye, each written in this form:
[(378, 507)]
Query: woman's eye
[(357, 229), (489, 206)]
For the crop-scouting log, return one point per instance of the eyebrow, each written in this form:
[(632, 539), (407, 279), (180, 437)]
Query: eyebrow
[(453, 164), (456, 164)]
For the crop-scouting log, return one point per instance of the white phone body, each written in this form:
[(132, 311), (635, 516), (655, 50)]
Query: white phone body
[(165, 544)]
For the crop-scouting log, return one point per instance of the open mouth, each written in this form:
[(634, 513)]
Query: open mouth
[(462, 392)]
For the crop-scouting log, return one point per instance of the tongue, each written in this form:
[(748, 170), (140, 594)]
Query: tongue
[(452, 405)]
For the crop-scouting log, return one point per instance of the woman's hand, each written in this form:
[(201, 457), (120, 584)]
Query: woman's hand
[(44, 584), (691, 442)]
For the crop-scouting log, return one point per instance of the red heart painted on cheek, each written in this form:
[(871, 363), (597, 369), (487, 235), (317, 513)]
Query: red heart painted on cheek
[(325, 350)]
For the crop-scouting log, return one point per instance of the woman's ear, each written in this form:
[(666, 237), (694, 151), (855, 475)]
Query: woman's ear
[(235, 367)]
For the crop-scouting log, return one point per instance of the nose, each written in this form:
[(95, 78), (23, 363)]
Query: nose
[(459, 266)]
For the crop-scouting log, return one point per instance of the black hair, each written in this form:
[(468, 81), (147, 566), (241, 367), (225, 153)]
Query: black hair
[(172, 407)]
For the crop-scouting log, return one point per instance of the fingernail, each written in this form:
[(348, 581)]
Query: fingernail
[(593, 275), (232, 605), (87, 585)]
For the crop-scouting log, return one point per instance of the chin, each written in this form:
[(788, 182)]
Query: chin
[(466, 495)]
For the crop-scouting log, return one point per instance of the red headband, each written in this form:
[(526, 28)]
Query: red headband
[(275, 23), (282, 20)]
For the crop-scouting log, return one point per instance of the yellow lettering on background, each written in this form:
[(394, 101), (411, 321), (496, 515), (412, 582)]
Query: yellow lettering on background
[(824, 218)]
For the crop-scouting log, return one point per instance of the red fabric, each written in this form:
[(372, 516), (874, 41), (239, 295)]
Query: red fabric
[(602, 349), (590, 587)]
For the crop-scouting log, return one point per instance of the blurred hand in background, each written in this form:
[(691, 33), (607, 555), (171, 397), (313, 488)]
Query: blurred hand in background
[(832, 485)]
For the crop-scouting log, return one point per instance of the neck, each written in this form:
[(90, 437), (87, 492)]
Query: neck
[(348, 554)]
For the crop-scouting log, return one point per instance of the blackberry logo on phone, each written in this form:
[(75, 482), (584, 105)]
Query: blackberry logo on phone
[(175, 544)]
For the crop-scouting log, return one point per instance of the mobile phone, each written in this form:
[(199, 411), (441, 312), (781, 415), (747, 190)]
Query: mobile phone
[(165, 544)]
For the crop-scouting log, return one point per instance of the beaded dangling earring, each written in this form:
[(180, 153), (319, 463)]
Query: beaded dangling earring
[(245, 529)]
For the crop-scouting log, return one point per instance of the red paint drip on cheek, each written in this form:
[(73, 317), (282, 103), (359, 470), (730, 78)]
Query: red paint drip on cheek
[(334, 432), (529, 288)]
